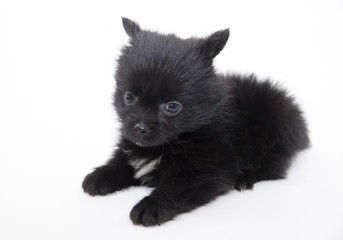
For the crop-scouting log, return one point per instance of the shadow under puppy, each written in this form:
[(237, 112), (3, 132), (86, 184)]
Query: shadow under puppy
[(189, 133)]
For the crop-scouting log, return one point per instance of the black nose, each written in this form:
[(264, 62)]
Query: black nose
[(141, 128)]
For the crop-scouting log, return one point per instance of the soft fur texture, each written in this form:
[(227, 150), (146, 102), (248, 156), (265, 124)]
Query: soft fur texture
[(231, 132)]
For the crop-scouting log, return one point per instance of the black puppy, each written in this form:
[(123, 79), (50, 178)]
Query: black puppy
[(192, 134)]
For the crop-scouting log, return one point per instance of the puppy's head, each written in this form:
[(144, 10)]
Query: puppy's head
[(166, 85)]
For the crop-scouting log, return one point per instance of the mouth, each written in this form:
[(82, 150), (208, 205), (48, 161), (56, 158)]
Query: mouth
[(151, 140), (138, 143), (144, 142)]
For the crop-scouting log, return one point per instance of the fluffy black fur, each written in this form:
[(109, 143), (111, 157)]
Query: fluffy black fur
[(231, 131)]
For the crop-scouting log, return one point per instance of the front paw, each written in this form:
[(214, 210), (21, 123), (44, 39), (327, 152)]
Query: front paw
[(245, 183), (100, 182), (149, 212)]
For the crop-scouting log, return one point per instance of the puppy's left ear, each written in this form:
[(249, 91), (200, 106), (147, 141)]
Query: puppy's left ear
[(211, 46), (131, 28)]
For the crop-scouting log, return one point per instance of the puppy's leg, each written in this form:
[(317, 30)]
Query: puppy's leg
[(176, 195), (113, 176)]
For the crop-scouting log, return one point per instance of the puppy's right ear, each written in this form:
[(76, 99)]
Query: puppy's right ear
[(212, 45), (131, 28)]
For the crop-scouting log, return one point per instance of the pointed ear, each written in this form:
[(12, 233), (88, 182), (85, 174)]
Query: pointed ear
[(131, 28), (212, 45)]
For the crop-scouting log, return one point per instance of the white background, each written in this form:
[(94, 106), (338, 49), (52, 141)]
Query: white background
[(57, 60)]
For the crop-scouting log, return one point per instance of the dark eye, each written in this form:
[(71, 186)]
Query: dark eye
[(173, 108), (129, 98)]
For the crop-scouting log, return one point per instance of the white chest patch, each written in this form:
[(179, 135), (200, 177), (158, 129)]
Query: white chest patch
[(143, 167)]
